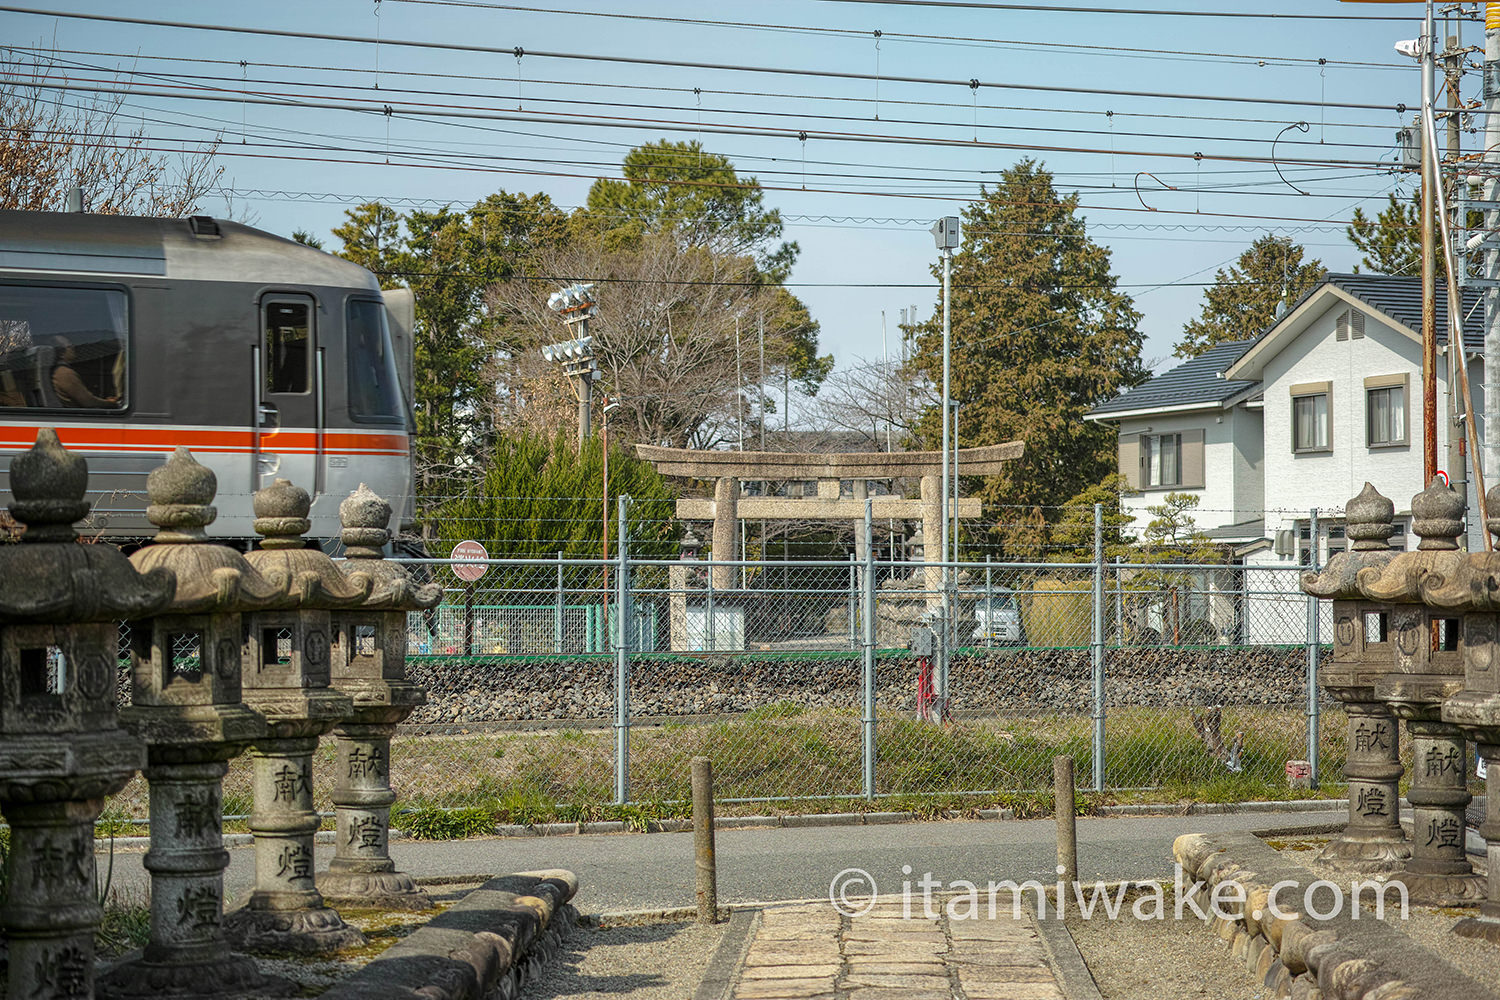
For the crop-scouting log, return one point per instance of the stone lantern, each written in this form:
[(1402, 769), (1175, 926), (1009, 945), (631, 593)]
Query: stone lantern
[(1362, 654), (185, 706), (287, 677), (369, 665), (62, 750), (1476, 711), (1425, 669)]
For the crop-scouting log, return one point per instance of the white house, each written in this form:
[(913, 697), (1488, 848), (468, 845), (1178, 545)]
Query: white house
[(1264, 431)]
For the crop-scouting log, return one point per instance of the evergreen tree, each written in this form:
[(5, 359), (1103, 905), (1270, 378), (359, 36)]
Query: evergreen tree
[(1391, 243), (1242, 302), (1040, 336), (543, 495)]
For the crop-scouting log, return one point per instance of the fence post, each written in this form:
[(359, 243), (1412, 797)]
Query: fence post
[(853, 604), (868, 720), (1312, 654), (622, 662), (469, 618), (708, 623), (1097, 647), (557, 608), (989, 607)]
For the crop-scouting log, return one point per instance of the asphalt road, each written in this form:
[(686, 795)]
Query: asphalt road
[(635, 871)]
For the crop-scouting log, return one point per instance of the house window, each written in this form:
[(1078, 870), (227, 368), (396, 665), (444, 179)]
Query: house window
[(1161, 460), (1311, 424), (1385, 411)]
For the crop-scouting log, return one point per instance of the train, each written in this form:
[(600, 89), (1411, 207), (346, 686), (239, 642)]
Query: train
[(267, 358)]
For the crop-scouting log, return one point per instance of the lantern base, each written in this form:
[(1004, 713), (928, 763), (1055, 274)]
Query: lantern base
[(1428, 889), (232, 977), (309, 931), (382, 890), (1367, 856)]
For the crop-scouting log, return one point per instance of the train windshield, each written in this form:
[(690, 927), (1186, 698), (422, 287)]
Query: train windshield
[(62, 348), (374, 386)]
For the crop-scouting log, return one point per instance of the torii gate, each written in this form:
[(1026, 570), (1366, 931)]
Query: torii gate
[(728, 468)]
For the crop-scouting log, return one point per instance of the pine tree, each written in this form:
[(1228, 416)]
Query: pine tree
[(1040, 335), (1243, 301), (1392, 242)]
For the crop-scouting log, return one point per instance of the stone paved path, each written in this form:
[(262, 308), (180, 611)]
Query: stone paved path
[(812, 952)]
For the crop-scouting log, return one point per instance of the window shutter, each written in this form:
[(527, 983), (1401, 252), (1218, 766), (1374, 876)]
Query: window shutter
[(1341, 328), (1356, 324), (1192, 460), (1130, 459)]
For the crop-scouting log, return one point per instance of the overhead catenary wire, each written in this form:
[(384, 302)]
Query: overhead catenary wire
[(690, 64)]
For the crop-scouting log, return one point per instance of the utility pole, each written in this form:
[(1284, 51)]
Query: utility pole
[(1429, 262), (945, 234), (1491, 195), (1457, 456)]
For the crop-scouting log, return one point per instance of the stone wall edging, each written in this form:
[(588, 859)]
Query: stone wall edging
[(1298, 955), (485, 947)]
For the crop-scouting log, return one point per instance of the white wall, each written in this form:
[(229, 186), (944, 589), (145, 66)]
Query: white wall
[(1231, 451), (1295, 483)]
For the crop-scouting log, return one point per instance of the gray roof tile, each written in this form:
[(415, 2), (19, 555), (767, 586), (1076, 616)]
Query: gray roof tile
[(1194, 381)]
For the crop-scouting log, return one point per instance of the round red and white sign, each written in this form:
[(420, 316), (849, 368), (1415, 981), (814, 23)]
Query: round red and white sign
[(468, 561)]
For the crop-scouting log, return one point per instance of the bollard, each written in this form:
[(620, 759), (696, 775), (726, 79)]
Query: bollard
[(703, 841), (1067, 822)]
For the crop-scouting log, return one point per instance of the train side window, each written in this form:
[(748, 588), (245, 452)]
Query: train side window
[(288, 336), (63, 348), (374, 387)]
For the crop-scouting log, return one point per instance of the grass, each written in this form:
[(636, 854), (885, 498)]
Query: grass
[(786, 758)]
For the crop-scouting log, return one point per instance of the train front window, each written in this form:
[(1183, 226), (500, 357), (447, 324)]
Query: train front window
[(63, 348), (374, 386), (288, 339)]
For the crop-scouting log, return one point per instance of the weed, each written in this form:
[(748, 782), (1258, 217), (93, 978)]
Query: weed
[(433, 823)]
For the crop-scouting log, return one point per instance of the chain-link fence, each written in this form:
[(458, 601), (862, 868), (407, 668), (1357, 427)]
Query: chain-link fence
[(853, 678)]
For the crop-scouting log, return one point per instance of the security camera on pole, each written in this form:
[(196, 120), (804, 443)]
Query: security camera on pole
[(945, 234), (576, 305)]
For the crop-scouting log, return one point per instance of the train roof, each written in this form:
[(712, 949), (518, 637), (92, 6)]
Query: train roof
[(200, 248)]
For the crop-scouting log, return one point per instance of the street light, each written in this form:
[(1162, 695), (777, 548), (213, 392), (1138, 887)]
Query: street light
[(945, 233), (576, 305)]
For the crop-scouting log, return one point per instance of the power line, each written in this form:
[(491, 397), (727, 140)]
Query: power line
[(913, 36), (1040, 8), (519, 52), (739, 112), (699, 91), (425, 110)]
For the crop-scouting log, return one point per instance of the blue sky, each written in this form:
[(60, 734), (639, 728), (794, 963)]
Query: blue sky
[(876, 236)]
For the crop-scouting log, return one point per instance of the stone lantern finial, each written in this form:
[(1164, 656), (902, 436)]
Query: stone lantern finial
[(182, 493), (1370, 520), (1492, 507), (281, 511), (48, 483), (366, 519), (1437, 516)]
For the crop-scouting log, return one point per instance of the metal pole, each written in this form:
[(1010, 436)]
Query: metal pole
[(622, 663), (1429, 265), (557, 608), (1491, 193), (708, 630), (1312, 654), (853, 612), (942, 664), (867, 722), (989, 601), (1097, 651), (705, 862), (469, 619), (1457, 413)]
